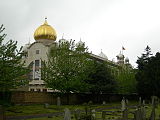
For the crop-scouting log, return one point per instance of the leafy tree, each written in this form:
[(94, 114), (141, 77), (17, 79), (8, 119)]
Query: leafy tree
[(67, 67), (100, 79), (126, 80), (12, 72), (148, 75)]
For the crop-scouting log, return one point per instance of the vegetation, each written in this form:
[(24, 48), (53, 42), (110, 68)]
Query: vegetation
[(112, 108), (126, 80), (100, 79), (148, 75), (66, 68), (71, 69), (12, 72)]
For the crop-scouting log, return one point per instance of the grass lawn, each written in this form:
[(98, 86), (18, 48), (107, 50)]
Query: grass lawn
[(18, 110)]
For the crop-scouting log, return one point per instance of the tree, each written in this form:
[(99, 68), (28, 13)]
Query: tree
[(100, 79), (126, 80), (148, 75), (12, 72), (66, 67)]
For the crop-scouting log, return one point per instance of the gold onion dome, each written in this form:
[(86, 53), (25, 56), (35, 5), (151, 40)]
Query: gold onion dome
[(45, 31)]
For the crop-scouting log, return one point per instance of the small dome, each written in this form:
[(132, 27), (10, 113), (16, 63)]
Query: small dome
[(45, 31), (80, 43), (120, 56), (63, 40), (127, 60), (103, 55)]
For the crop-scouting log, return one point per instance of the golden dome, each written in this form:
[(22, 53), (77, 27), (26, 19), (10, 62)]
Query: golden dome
[(45, 31)]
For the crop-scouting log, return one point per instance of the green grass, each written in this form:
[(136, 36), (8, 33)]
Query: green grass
[(37, 109), (18, 110)]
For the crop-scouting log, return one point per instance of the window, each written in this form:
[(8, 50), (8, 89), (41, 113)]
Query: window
[(36, 63), (37, 51), (31, 89), (44, 90), (38, 90)]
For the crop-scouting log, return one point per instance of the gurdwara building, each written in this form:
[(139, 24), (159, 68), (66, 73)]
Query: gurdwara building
[(45, 38)]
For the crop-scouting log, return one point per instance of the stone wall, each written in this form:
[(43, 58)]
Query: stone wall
[(79, 98)]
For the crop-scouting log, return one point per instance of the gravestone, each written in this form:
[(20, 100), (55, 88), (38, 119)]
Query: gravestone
[(127, 102), (58, 101), (153, 114), (123, 103), (67, 114), (137, 114), (143, 103), (93, 114), (104, 103), (46, 105), (140, 101), (77, 114), (103, 115), (143, 113)]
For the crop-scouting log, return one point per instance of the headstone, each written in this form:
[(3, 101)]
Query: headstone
[(127, 102), (93, 114), (58, 101), (46, 105), (67, 114), (77, 114), (140, 101), (143, 103), (143, 113), (104, 103), (153, 114), (103, 115), (123, 105), (137, 115)]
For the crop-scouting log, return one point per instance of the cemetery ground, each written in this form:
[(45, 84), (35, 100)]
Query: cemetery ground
[(54, 112)]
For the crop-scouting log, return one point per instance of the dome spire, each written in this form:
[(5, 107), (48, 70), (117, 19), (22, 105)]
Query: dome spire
[(45, 23)]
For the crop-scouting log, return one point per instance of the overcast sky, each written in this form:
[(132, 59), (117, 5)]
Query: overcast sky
[(101, 24)]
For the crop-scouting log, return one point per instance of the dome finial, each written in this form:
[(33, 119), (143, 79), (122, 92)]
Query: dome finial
[(45, 21)]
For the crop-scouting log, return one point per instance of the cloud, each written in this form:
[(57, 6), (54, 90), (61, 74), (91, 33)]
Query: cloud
[(102, 24)]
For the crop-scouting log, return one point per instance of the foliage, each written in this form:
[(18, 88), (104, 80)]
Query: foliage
[(148, 75), (67, 67), (126, 80), (12, 71), (100, 79)]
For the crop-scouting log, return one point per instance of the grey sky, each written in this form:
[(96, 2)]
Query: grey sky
[(101, 24)]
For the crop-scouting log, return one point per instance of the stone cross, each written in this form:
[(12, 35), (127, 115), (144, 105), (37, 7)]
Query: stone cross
[(67, 114)]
